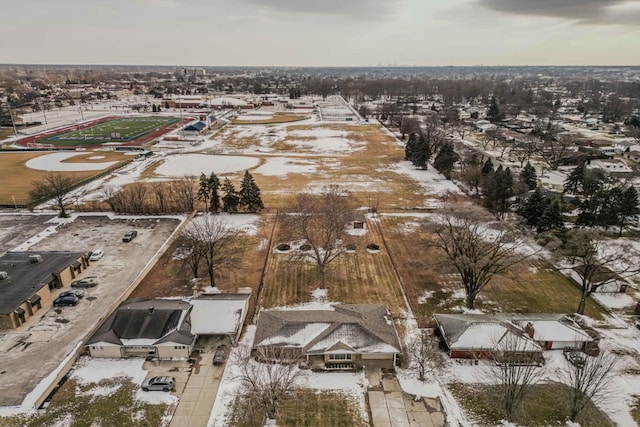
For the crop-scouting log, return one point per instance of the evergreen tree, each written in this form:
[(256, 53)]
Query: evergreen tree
[(493, 112), (249, 194), (487, 168), (573, 183), (411, 147), (208, 191), (628, 207), (551, 218), (533, 207), (445, 159), (528, 176), (497, 189), (423, 152), (230, 200)]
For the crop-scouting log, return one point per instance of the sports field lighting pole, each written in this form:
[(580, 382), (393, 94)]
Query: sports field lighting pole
[(43, 111), (13, 123)]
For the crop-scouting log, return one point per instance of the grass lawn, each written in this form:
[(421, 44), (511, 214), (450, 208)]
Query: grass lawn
[(74, 407), (277, 118), (17, 179), (545, 405), (531, 286), (129, 129), (305, 408), (360, 277)]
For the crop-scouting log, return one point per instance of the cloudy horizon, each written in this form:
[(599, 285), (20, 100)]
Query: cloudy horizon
[(330, 33)]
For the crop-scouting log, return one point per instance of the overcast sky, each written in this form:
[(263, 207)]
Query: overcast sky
[(321, 32)]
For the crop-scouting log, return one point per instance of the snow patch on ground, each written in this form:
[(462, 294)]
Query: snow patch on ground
[(54, 162), (195, 164), (282, 166)]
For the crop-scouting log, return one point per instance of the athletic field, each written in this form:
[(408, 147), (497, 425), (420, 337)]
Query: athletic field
[(122, 130)]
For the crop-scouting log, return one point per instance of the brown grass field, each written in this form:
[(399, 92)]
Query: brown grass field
[(530, 287), (17, 178), (360, 277)]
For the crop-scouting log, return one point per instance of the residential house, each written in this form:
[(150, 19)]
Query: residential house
[(347, 336), (486, 336), (153, 328)]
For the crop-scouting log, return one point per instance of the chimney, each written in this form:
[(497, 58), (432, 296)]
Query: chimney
[(530, 330)]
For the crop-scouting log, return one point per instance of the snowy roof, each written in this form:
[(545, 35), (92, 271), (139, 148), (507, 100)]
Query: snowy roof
[(354, 327), (218, 314), (549, 330), (487, 331)]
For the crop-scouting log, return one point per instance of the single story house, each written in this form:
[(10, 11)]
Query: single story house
[(486, 336), (154, 328), (27, 280), (603, 280), (347, 336)]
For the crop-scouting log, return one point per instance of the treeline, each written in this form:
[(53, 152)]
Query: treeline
[(185, 195)]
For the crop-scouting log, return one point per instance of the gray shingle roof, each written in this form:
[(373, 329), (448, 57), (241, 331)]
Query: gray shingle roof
[(356, 325)]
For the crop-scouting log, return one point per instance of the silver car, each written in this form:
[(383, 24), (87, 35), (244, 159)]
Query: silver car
[(163, 383)]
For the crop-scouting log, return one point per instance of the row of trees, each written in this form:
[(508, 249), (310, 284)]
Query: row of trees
[(248, 198)]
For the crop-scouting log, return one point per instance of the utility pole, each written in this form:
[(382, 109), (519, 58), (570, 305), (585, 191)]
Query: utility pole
[(13, 123)]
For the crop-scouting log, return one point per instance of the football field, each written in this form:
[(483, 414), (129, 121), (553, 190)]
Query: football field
[(116, 130)]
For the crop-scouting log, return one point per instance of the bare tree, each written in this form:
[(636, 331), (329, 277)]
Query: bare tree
[(110, 195), (208, 238), (589, 382), (184, 191), (55, 186), (425, 355), (266, 384), (320, 220), (515, 370), (594, 266), (477, 253)]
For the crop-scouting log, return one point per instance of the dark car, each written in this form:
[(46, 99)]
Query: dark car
[(129, 236), (220, 355), (163, 383), (87, 282), (65, 300), (78, 293)]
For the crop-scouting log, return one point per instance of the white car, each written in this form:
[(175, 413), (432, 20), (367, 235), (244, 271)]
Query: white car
[(96, 254)]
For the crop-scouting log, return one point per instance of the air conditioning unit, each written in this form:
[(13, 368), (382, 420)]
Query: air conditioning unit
[(3, 275)]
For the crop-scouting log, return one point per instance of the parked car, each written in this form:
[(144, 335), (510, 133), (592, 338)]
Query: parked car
[(78, 293), (163, 383), (87, 282), (220, 355), (575, 357), (96, 254), (65, 300), (129, 236)]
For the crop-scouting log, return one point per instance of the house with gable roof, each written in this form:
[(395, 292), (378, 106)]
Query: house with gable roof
[(154, 328), (348, 336)]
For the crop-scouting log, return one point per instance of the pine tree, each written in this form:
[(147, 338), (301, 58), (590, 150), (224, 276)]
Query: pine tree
[(445, 159), (551, 218), (573, 183), (410, 147), (423, 152), (628, 207), (487, 168), (533, 207), (214, 194), (231, 199), (250, 194), (493, 112), (528, 176), (203, 189)]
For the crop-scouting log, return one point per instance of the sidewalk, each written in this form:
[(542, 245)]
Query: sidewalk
[(194, 407)]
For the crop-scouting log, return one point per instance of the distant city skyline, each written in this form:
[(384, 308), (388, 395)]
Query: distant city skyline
[(329, 33)]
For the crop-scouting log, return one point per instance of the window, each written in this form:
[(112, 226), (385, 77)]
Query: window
[(96, 347), (340, 356), (179, 347)]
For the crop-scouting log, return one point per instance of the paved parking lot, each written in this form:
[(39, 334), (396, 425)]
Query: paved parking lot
[(31, 352), (15, 229)]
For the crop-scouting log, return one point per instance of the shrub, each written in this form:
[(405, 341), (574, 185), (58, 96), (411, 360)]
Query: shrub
[(373, 247), (351, 247), (283, 247), (305, 247)]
